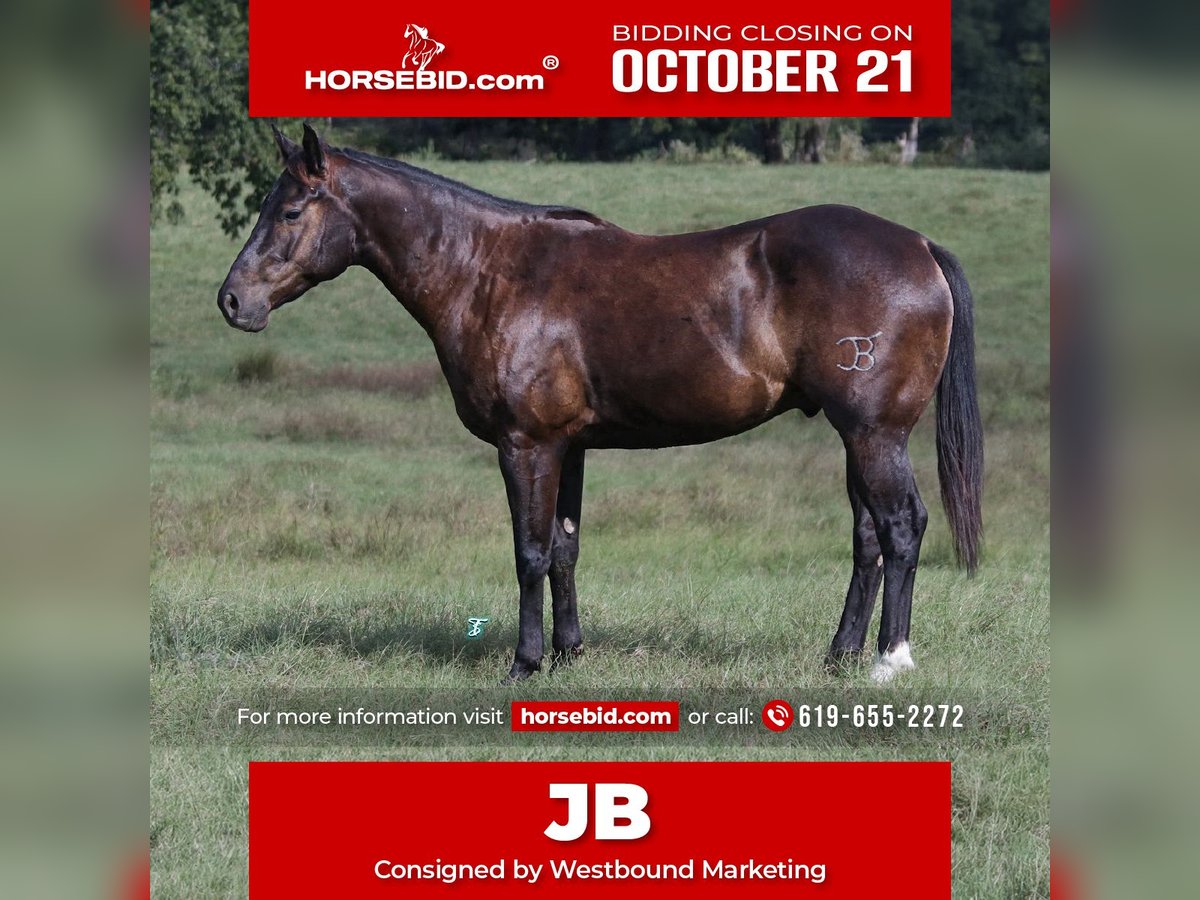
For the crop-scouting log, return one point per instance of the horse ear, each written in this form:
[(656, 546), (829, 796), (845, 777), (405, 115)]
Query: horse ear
[(285, 144), (314, 153)]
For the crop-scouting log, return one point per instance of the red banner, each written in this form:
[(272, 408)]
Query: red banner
[(697, 830), (623, 58)]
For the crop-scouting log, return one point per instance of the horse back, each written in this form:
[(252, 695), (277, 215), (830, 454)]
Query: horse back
[(632, 340)]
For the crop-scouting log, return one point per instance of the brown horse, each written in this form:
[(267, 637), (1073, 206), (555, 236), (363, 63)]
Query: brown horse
[(559, 332)]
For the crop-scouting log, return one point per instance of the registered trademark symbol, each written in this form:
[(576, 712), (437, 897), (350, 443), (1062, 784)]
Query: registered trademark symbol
[(550, 62)]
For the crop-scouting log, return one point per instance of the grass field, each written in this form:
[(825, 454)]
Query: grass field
[(321, 521)]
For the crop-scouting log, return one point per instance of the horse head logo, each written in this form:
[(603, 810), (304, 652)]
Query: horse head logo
[(421, 47)]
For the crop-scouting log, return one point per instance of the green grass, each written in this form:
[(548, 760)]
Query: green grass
[(322, 522)]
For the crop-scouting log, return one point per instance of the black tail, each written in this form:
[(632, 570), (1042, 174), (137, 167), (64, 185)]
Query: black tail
[(959, 430)]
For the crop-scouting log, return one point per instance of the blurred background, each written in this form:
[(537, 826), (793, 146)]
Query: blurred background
[(1125, 316), (73, 451)]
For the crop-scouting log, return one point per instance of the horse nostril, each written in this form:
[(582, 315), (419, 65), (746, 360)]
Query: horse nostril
[(231, 303)]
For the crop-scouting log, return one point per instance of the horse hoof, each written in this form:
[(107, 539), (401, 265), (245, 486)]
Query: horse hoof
[(565, 658), (519, 672), (843, 662), (891, 663)]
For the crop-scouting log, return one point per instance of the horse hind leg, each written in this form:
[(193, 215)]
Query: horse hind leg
[(884, 479), (851, 637)]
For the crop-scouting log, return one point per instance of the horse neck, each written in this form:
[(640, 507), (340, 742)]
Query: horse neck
[(421, 242)]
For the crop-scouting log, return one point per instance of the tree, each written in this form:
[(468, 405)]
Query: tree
[(198, 104), (1001, 80), (771, 134)]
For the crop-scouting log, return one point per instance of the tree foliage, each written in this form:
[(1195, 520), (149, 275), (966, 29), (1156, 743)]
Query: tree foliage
[(1001, 80), (198, 102)]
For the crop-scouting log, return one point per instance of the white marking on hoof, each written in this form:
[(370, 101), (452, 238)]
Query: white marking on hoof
[(568, 526), (888, 665), (879, 561)]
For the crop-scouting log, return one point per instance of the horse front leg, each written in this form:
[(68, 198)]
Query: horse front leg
[(531, 478), (564, 553)]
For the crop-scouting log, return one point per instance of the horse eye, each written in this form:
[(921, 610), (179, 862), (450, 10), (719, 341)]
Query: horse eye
[(292, 215)]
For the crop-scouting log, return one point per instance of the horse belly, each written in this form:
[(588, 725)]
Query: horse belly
[(684, 396), (680, 345)]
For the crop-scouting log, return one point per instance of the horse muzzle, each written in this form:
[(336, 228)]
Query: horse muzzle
[(241, 314)]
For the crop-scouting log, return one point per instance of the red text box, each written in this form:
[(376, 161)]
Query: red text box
[(746, 829), (623, 58)]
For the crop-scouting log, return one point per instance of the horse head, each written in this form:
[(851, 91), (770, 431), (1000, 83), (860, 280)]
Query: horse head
[(305, 234)]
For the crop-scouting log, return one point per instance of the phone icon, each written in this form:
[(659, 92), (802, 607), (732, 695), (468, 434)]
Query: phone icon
[(777, 715)]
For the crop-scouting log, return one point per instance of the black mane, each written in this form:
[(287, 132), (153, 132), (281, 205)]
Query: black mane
[(459, 189)]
